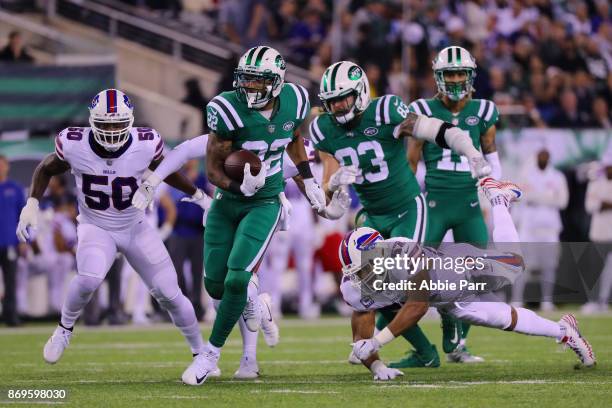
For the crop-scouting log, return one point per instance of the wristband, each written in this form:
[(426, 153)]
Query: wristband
[(440, 139), (376, 365), (384, 336), (303, 169)]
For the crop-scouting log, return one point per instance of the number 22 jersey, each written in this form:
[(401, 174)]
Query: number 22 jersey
[(106, 181)]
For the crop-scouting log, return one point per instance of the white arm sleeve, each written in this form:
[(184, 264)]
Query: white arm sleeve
[(458, 140), (190, 149), (496, 170)]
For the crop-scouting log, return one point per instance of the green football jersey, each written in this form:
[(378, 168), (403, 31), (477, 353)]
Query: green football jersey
[(386, 182), (231, 119), (447, 170)]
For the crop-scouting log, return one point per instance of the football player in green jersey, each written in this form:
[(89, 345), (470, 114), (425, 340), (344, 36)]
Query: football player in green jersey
[(361, 143), (452, 197), (262, 115)]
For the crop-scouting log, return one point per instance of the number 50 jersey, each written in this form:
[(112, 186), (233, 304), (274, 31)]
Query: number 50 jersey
[(106, 181)]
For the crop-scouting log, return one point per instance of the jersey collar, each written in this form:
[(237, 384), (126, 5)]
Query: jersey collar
[(105, 154)]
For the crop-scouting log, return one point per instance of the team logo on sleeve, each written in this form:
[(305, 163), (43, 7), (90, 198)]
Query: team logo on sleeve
[(271, 128), (371, 131), (287, 126), (472, 120)]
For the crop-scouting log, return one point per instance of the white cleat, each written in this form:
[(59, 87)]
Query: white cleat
[(574, 340), (506, 190), (252, 314), (352, 359), (203, 366), (57, 343), (268, 326), (248, 369), (463, 356)]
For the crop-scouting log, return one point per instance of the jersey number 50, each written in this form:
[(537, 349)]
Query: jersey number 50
[(99, 200)]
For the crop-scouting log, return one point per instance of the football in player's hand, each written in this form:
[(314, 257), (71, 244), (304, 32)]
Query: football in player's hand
[(234, 164)]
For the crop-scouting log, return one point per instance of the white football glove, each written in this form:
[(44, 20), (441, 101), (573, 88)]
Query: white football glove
[(28, 219), (365, 348), (286, 212), (251, 184), (315, 194), (479, 167), (339, 204), (200, 198), (344, 176), (143, 197), (382, 372)]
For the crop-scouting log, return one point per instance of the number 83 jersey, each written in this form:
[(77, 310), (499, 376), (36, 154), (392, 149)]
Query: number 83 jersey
[(386, 183), (106, 181)]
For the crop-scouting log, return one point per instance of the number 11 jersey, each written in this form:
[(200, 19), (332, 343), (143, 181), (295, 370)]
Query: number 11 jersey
[(106, 181)]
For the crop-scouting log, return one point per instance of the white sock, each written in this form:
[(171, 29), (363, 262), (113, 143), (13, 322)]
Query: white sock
[(530, 323), (249, 340), (184, 318), (79, 294), (213, 349)]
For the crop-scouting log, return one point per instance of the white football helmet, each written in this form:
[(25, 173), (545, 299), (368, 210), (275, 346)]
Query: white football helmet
[(349, 252), (454, 59), (111, 116), (263, 64), (341, 79)]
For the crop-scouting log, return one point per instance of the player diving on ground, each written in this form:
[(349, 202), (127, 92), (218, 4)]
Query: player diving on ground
[(362, 287)]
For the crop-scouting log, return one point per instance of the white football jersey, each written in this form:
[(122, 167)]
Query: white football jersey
[(106, 181)]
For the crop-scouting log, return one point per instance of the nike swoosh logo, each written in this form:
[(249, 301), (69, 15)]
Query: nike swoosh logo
[(199, 380), (430, 363), (269, 312), (402, 214), (474, 204), (456, 336)]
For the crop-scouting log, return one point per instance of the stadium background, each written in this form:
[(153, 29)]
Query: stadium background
[(546, 64)]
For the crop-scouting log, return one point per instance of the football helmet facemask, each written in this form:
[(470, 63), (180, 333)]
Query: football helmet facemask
[(340, 80), (454, 59), (260, 76), (111, 116)]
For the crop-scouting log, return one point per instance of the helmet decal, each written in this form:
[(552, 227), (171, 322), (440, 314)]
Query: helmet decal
[(366, 242), (111, 101)]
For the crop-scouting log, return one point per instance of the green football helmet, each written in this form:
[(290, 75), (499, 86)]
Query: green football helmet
[(262, 66), (341, 79), (454, 59)]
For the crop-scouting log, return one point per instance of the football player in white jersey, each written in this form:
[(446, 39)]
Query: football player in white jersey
[(108, 160), (258, 310), (404, 308)]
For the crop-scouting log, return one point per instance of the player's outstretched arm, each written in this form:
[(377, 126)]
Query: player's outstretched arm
[(297, 153), (50, 166), (190, 149), (176, 179), (446, 136), (489, 149), (362, 324)]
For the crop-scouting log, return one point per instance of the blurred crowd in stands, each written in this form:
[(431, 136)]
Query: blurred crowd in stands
[(550, 61)]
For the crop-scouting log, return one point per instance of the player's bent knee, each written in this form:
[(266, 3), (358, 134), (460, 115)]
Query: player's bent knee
[(92, 261), (237, 281), (165, 288), (214, 288), (88, 284)]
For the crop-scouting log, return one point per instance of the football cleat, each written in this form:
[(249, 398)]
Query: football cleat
[(203, 366), (505, 190), (268, 326), (352, 359), (572, 338), (451, 333), (416, 360), (57, 343), (248, 369), (463, 355), (252, 314)]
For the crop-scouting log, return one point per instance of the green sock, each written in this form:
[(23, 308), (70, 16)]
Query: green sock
[(232, 304), (414, 335)]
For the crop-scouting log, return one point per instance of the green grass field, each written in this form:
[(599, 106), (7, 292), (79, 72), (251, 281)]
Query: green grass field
[(132, 367)]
